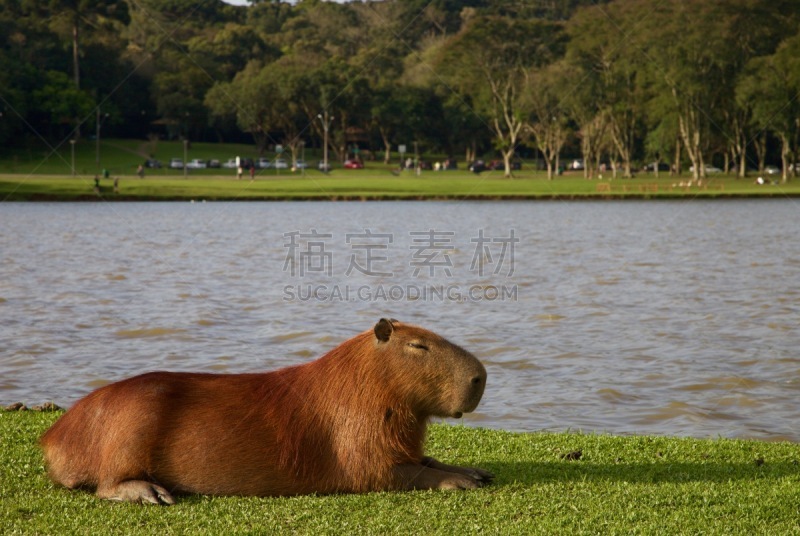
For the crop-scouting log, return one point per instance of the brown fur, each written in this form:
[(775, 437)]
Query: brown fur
[(354, 420)]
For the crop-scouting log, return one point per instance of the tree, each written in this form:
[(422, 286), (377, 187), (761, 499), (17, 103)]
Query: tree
[(248, 99), (70, 19), (709, 41), (548, 120), (489, 60), (75, 15), (609, 73), (404, 114), (60, 100), (770, 86)]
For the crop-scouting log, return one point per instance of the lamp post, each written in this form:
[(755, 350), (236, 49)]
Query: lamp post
[(326, 124), (303, 157), (185, 161), (416, 158), (97, 138), (72, 150)]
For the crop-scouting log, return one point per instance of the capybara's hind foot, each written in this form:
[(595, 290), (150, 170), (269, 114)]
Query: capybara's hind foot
[(137, 491)]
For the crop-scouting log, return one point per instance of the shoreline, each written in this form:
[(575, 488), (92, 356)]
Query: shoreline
[(95, 198), (377, 187)]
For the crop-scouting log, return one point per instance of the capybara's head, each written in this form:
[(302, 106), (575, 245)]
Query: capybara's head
[(439, 378)]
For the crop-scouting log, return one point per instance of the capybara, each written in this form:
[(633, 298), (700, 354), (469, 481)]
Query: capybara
[(351, 421)]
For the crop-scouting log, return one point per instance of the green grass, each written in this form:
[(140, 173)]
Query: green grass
[(650, 485), (373, 184), (119, 156), (47, 175)]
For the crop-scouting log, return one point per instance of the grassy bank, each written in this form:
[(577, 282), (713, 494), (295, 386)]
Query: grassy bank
[(375, 184), (47, 175), (546, 484)]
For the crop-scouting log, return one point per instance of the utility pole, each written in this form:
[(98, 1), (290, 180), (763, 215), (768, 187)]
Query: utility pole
[(326, 123)]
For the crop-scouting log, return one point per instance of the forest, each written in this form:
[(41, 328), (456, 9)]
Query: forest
[(622, 84)]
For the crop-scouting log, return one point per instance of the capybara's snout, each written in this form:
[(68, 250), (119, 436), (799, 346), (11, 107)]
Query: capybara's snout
[(473, 383)]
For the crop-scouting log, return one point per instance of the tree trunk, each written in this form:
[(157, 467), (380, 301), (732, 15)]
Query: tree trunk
[(691, 140), (549, 138), (676, 164), (795, 154), (76, 72), (588, 155), (760, 144), (622, 138), (76, 54), (471, 152), (387, 146), (785, 152), (743, 165)]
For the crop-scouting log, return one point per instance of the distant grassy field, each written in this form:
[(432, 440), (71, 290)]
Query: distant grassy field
[(48, 176), (120, 157), (371, 184), (547, 483)]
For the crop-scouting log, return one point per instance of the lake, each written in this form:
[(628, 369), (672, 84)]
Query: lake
[(630, 317)]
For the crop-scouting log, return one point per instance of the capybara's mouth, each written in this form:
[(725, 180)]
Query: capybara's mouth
[(457, 415)]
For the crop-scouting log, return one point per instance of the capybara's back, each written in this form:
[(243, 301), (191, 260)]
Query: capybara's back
[(352, 421)]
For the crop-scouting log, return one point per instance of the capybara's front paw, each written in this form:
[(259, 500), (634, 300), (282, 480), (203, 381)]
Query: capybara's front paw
[(138, 491), (481, 475), (460, 481)]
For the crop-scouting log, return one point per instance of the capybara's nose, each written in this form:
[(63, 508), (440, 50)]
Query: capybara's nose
[(477, 380)]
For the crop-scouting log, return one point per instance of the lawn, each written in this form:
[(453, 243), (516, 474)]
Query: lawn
[(370, 184), (47, 175), (547, 483)]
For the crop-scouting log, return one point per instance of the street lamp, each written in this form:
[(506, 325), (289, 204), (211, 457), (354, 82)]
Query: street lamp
[(97, 138), (72, 143), (303, 157), (326, 124)]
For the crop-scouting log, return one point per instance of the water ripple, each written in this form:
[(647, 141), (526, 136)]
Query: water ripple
[(664, 318)]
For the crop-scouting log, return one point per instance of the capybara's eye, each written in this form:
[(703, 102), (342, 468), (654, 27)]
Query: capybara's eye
[(417, 346)]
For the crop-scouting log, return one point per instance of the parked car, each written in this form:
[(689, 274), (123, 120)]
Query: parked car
[(196, 163), (477, 166), (153, 163), (322, 166), (772, 170), (576, 164), (300, 164), (229, 164), (176, 163), (499, 165), (662, 166), (353, 164), (709, 169), (263, 163), (280, 163), (214, 163)]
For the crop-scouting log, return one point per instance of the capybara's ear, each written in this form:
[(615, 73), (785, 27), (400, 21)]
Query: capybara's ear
[(383, 329)]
